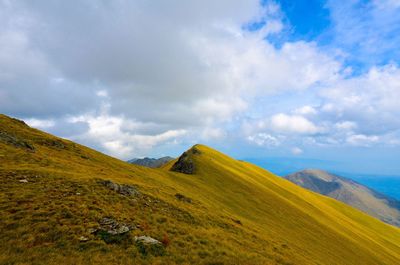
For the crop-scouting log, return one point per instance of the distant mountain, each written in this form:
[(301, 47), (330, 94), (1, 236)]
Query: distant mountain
[(64, 203), (350, 192), (151, 162)]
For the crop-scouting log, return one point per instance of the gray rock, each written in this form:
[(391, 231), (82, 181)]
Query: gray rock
[(147, 240), (123, 189), (83, 239), (23, 180), (120, 229), (107, 221), (16, 141), (93, 230), (112, 227)]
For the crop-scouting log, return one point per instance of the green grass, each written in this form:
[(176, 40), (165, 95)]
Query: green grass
[(237, 213)]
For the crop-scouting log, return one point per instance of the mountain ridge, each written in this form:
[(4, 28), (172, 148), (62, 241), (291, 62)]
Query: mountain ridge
[(350, 192), (55, 193), (151, 162)]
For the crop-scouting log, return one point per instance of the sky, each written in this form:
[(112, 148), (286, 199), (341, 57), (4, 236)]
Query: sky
[(306, 80)]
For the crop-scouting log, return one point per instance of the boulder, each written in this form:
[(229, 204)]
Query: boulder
[(123, 189), (112, 227), (147, 240)]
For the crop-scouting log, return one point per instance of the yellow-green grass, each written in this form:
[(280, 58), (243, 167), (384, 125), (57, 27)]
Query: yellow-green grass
[(239, 214)]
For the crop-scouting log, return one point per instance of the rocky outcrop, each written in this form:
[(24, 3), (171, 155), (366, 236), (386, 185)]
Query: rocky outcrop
[(185, 163), (15, 141), (112, 227), (111, 231), (124, 189)]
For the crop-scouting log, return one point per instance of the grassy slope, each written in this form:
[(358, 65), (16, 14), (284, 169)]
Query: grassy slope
[(281, 223)]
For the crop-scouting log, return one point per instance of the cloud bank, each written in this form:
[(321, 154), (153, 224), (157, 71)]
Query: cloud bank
[(127, 77)]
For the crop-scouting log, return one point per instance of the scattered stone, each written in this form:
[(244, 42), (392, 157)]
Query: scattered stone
[(147, 240), (121, 229), (83, 239), (107, 221), (183, 198), (93, 230), (112, 227), (78, 193), (23, 180), (123, 189), (112, 232)]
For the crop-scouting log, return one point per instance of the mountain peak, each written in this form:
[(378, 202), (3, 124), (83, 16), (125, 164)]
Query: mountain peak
[(185, 163)]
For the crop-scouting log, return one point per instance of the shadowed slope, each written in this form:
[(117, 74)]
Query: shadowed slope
[(55, 192)]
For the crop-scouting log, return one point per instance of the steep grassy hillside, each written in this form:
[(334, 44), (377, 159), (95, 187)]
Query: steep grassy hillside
[(61, 202), (349, 192)]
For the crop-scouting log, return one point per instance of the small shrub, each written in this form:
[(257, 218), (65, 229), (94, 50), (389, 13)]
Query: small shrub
[(203, 241), (203, 254), (161, 220), (165, 240)]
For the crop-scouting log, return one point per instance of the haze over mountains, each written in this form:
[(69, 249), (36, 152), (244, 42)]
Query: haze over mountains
[(151, 162), (350, 192), (65, 203)]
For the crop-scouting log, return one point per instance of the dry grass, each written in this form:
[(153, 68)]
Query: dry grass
[(237, 212)]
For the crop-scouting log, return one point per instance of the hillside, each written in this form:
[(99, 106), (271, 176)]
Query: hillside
[(349, 192), (151, 162), (61, 202)]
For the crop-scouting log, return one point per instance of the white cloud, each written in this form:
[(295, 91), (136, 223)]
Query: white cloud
[(40, 124), (305, 110), (102, 93), (370, 99), (263, 139), (297, 151), (118, 136), (184, 66), (160, 71), (293, 124), (212, 133), (362, 140), (346, 125)]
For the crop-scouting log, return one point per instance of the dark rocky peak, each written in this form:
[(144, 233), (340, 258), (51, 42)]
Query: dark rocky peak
[(185, 163)]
